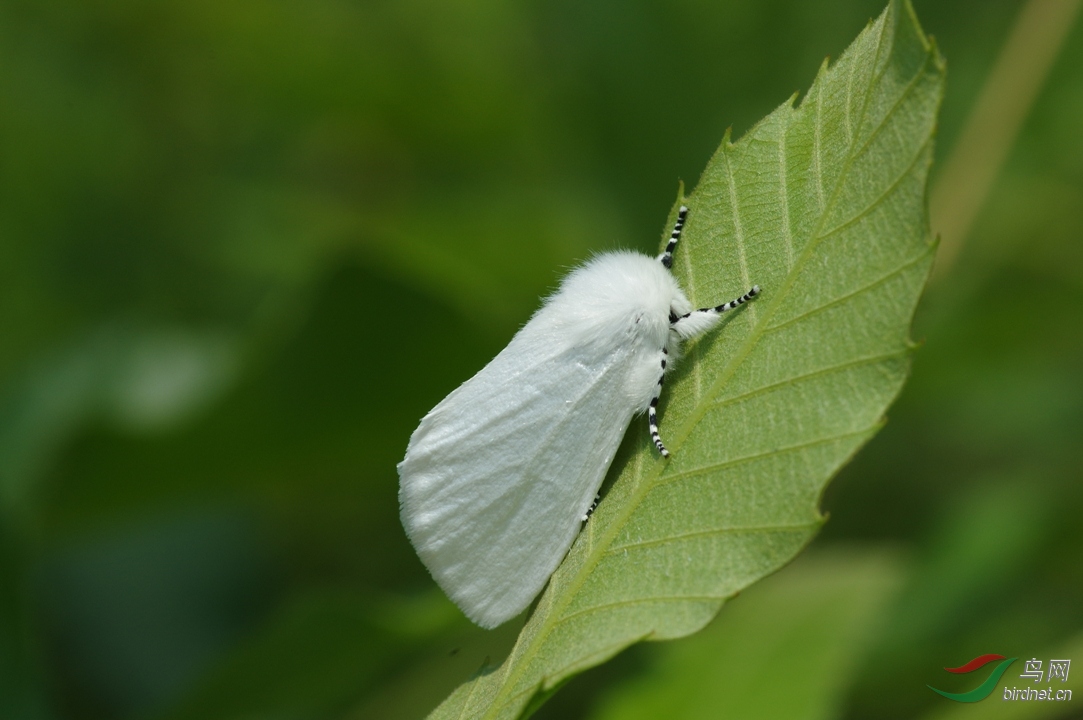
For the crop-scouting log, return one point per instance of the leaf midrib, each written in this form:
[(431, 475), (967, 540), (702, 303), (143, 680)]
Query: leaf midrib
[(595, 554)]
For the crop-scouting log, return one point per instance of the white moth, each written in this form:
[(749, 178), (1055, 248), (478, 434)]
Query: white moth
[(499, 476)]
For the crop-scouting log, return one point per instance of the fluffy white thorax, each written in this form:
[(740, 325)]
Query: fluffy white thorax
[(616, 297)]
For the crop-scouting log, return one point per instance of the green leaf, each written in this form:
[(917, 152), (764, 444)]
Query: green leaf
[(823, 206), (784, 649)]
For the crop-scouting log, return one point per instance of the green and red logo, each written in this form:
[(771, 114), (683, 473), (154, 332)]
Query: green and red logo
[(986, 688)]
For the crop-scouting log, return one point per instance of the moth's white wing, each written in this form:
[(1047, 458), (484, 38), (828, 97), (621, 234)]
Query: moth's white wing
[(497, 477)]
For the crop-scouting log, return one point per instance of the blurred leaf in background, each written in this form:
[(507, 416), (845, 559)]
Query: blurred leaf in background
[(784, 649), (245, 246)]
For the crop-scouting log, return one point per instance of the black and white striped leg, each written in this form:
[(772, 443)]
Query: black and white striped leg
[(734, 303), (697, 321), (590, 510), (666, 258), (652, 411)]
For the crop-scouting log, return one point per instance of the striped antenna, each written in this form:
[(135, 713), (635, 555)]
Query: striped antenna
[(667, 257)]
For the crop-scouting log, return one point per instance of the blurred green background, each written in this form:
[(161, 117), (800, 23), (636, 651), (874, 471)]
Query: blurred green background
[(245, 246)]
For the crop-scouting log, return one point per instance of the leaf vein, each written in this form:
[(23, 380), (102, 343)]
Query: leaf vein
[(783, 194), (888, 191), (849, 100), (640, 601), (697, 373), (560, 672), (469, 697), (735, 530), (853, 293), (738, 230), (704, 469), (882, 123), (816, 140), (823, 372)]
